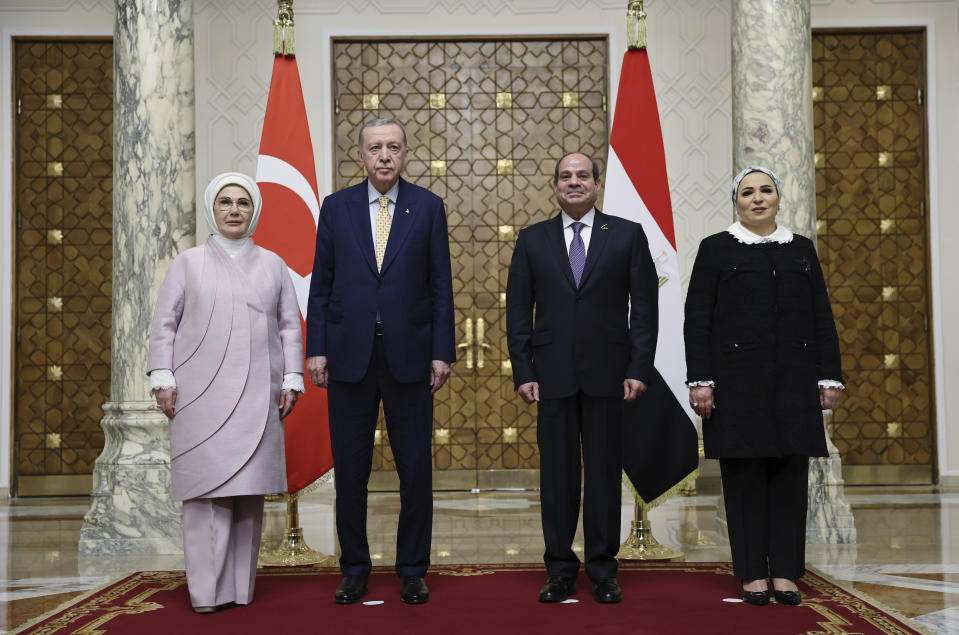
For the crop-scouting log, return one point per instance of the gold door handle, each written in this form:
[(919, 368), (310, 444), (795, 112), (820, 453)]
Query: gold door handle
[(481, 345), (468, 344)]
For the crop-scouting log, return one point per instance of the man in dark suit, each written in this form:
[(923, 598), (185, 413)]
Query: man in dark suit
[(380, 326), (581, 320)]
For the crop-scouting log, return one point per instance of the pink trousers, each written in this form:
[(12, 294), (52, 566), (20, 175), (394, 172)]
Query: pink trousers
[(221, 542)]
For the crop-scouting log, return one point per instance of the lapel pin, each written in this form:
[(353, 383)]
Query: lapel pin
[(407, 211), (604, 226)]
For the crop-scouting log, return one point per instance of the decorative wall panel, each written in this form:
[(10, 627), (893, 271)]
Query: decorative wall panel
[(486, 121), (872, 229), (64, 184)]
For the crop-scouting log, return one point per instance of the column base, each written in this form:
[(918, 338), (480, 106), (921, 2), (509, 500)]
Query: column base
[(131, 511), (829, 519)]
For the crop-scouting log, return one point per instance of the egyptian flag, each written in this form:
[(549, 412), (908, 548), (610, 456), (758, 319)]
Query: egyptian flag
[(660, 452), (286, 175)]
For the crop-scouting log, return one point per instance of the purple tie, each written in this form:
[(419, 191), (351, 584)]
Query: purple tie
[(577, 253)]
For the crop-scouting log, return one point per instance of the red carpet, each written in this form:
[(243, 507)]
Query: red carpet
[(488, 599)]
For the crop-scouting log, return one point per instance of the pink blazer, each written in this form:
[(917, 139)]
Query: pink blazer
[(228, 329)]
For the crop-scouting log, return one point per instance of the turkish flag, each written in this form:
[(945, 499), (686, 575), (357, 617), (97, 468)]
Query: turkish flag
[(286, 175)]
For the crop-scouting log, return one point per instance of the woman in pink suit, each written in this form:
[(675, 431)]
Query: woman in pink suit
[(226, 365)]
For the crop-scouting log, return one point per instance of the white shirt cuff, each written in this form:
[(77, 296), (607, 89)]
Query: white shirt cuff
[(294, 382), (831, 383), (161, 378), (696, 384)]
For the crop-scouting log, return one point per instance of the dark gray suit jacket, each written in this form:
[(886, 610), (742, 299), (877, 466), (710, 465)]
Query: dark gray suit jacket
[(590, 338)]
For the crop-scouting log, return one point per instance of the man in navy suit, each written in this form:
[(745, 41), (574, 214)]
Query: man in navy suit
[(380, 327), (581, 322)]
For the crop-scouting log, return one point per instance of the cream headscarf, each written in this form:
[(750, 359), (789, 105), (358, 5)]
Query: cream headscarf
[(232, 178)]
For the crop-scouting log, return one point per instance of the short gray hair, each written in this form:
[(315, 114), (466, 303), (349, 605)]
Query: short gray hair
[(375, 123)]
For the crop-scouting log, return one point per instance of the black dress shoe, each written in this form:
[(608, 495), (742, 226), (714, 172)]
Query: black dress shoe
[(414, 590), (557, 589), (351, 589), (792, 598), (607, 591), (759, 598)]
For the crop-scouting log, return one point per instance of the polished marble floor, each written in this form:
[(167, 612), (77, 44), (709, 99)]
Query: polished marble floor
[(906, 554)]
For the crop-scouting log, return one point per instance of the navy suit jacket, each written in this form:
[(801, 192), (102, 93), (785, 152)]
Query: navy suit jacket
[(413, 292), (589, 338)]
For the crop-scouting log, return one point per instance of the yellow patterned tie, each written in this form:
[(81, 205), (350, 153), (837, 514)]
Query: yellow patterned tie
[(383, 222)]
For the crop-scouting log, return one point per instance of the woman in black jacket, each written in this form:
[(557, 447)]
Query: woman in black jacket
[(762, 357)]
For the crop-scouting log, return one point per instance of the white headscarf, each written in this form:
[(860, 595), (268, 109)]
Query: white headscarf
[(750, 170), (232, 178)]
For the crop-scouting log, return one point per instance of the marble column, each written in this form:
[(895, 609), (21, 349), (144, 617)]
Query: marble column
[(154, 180), (772, 101), (773, 127)]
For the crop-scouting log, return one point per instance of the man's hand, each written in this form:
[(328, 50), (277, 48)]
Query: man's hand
[(287, 401), (632, 388), (316, 367), (166, 398), (701, 401), (829, 398), (439, 373), (529, 391)]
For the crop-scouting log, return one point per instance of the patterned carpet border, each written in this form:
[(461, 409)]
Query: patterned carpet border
[(92, 612)]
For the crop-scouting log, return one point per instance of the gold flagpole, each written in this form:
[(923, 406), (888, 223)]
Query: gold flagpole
[(641, 544), (292, 550)]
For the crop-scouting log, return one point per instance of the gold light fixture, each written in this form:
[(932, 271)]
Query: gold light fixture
[(571, 99), (504, 100), (52, 440), (504, 167), (441, 436), (437, 101), (371, 101)]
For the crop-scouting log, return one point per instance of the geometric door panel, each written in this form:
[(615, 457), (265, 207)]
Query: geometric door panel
[(870, 138), (63, 163), (486, 120)]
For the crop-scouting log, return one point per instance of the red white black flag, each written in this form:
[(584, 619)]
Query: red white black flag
[(660, 437)]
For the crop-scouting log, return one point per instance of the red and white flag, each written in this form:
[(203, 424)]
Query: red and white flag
[(661, 447), (286, 175)]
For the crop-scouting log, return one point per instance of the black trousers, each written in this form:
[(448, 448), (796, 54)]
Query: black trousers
[(593, 425), (408, 407), (766, 501)]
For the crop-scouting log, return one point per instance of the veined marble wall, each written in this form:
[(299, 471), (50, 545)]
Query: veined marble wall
[(689, 47)]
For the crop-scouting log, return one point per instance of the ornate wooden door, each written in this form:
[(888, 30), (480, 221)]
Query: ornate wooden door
[(486, 121), (870, 127), (63, 163)]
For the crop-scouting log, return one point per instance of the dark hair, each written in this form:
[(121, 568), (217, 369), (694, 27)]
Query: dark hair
[(591, 160), (375, 123)]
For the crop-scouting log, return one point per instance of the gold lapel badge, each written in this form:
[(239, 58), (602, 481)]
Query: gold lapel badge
[(407, 211)]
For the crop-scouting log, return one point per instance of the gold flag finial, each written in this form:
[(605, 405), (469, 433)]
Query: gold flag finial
[(283, 42), (635, 25)]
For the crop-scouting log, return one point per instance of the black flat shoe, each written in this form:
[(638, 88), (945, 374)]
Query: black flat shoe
[(351, 589), (759, 598), (607, 591), (791, 598), (557, 589), (414, 590)]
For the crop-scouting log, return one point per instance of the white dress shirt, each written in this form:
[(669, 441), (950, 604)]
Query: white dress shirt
[(584, 233)]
